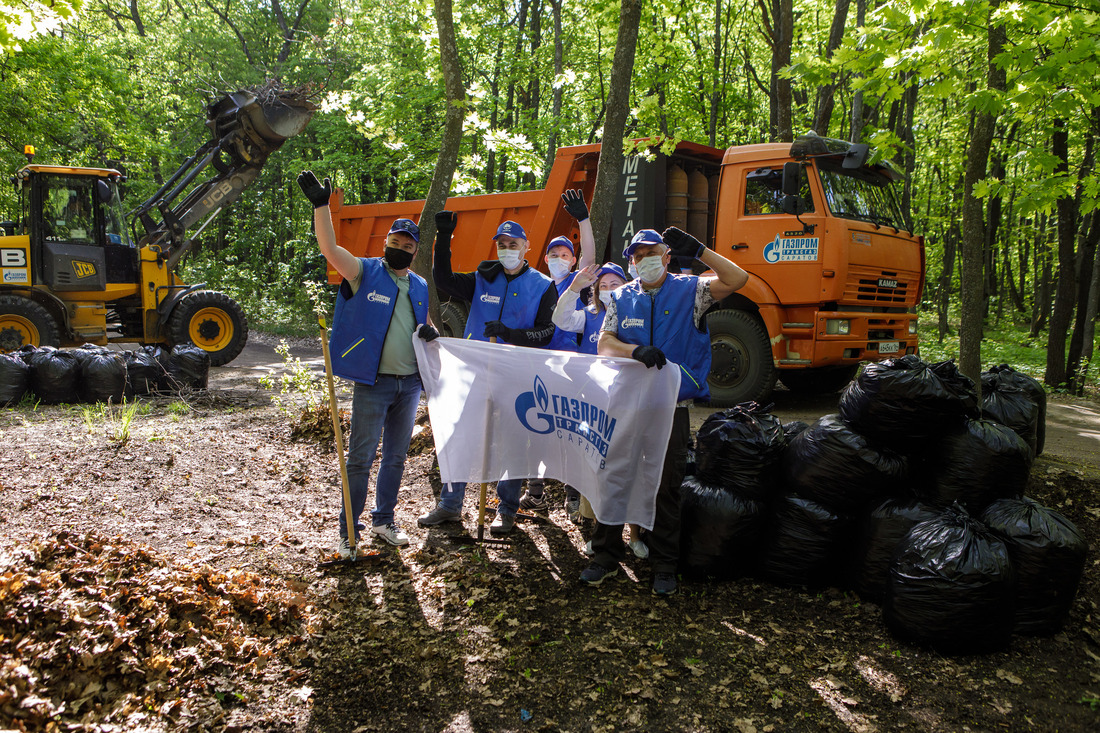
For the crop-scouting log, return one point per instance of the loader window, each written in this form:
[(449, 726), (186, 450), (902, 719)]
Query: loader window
[(764, 195), (67, 212)]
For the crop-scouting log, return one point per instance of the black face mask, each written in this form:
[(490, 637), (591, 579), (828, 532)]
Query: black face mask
[(398, 259)]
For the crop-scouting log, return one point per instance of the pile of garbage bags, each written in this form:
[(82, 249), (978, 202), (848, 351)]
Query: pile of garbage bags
[(912, 495), (97, 374)]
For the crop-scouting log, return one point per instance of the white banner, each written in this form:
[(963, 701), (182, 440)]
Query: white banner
[(599, 424)]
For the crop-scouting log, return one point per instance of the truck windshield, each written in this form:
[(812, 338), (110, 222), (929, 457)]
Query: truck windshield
[(861, 194)]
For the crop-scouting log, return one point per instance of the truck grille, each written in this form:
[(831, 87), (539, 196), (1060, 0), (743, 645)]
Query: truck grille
[(866, 285)]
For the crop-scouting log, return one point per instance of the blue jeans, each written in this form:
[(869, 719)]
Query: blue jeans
[(386, 410), (507, 491)]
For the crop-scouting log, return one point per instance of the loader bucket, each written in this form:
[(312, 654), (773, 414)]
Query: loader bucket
[(268, 117)]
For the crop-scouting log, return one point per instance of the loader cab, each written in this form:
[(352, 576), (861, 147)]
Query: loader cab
[(78, 236)]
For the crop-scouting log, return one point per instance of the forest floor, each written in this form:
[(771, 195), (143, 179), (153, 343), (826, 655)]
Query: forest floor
[(162, 574)]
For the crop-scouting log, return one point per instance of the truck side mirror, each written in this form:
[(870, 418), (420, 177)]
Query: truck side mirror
[(103, 192), (792, 178), (856, 156)]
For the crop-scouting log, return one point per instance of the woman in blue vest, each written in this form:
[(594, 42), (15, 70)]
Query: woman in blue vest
[(560, 258), (658, 320), (379, 306), (510, 302)]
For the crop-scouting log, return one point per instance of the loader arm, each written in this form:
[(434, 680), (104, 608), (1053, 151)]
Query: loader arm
[(246, 127)]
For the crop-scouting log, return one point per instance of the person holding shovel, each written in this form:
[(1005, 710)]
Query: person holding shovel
[(379, 306)]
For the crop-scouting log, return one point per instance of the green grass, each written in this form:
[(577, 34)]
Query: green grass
[(999, 346)]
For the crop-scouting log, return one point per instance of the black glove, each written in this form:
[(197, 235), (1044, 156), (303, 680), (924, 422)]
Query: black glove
[(427, 333), (682, 244), (651, 356), (496, 328), (445, 222), (317, 194), (573, 200)]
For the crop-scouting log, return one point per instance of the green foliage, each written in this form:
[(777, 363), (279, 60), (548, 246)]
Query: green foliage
[(114, 420)]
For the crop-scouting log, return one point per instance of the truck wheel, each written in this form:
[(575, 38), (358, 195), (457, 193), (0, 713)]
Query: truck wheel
[(212, 321), (823, 380), (23, 321), (741, 368), (453, 316)]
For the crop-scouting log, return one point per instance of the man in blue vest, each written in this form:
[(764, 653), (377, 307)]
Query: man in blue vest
[(658, 320), (379, 306), (560, 258), (509, 302)]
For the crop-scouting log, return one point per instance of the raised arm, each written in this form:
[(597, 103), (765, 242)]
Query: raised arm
[(573, 201), (729, 277), (342, 261)]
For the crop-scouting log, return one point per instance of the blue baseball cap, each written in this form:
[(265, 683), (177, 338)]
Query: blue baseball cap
[(645, 236), (510, 229), (561, 242), (405, 226), (611, 269)]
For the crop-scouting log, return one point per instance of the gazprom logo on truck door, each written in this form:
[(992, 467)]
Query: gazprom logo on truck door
[(791, 249)]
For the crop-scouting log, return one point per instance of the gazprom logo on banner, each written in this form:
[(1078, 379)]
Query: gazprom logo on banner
[(376, 297), (791, 249), (632, 323), (581, 423), (486, 298)]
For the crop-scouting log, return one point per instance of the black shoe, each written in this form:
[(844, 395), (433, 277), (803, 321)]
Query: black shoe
[(664, 584), (595, 574)]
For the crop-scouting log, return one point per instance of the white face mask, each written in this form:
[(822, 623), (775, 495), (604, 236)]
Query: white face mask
[(510, 258), (558, 267), (632, 270), (605, 297), (651, 268)]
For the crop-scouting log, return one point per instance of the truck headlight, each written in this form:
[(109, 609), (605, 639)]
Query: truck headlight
[(912, 326), (838, 326)]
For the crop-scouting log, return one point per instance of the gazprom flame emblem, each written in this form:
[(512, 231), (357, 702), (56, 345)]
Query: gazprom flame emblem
[(527, 401)]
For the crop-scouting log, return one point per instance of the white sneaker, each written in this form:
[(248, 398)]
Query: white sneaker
[(639, 549), (390, 533), (588, 549), (344, 549)]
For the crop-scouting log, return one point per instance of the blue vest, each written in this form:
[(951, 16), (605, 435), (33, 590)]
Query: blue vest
[(593, 323), (361, 320), (667, 322), (565, 340), (515, 303)]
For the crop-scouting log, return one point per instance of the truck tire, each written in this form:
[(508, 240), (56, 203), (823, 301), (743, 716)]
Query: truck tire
[(23, 321), (822, 380), (212, 321), (453, 316), (741, 368)]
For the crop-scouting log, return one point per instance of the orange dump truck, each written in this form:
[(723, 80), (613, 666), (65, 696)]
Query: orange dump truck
[(834, 275)]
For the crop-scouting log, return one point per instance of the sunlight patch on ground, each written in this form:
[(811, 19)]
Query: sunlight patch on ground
[(839, 704), (742, 632), (883, 681)]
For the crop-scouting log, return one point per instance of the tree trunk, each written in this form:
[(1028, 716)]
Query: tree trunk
[(448, 150), (827, 92), (973, 234), (857, 97), (1041, 279), (617, 107), (950, 246), (552, 142), (1086, 256), (782, 12), (1066, 287)]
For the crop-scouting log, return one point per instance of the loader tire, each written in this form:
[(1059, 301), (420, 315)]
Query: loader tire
[(23, 322), (742, 368), (453, 316), (212, 321)]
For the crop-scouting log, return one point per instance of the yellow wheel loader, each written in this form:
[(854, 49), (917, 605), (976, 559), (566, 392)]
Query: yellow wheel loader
[(75, 268)]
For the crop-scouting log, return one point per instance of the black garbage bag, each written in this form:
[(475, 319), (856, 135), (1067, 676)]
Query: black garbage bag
[(952, 586), (25, 352), (793, 428), (975, 464), (904, 402), (1049, 556), (55, 376), (689, 465), (720, 531), (1004, 401), (188, 367), (833, 465), (1033, 388), (740, 449), (881, 532), (102, 376), (807, 544), (144, 373), (14, 380)]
